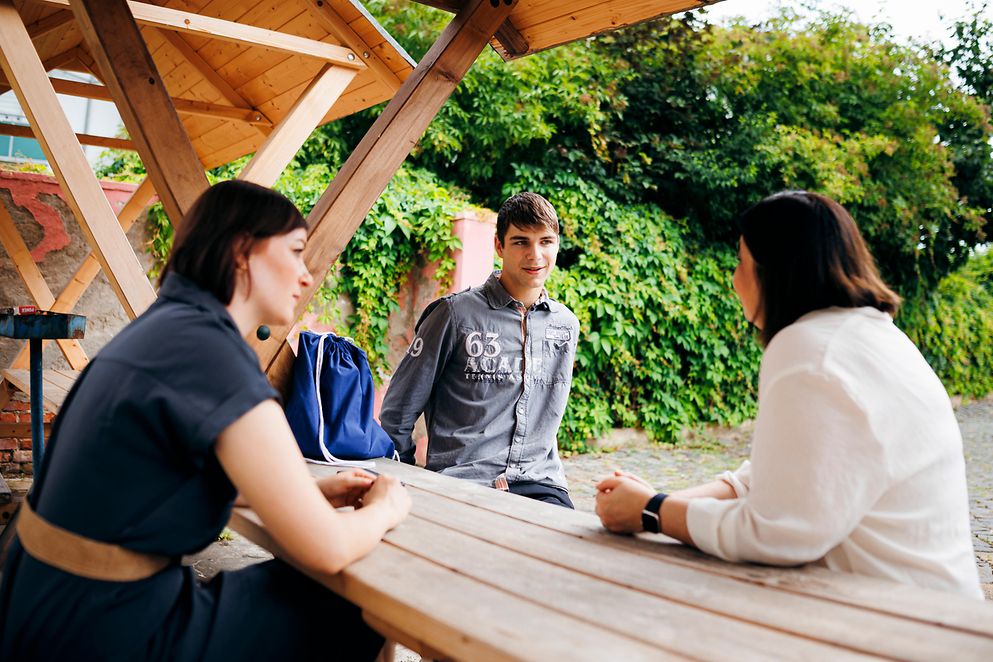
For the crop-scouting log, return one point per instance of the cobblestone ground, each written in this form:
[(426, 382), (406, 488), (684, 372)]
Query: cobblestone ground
[(704, 454)]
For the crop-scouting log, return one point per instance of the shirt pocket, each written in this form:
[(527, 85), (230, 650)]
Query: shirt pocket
[(557, 354)]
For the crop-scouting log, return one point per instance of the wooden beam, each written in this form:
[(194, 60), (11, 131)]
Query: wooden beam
[(83, 194), (369, 168), (90, 267), (249, 35), (509, 37), (35, 283), (60, 61), (20, 430), (183, 106), (285, 141), (324, 11), (117, 47), (87, 63), (20, 131), (49, 24), (211, 76)]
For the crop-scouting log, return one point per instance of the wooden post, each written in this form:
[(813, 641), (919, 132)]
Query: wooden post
[(144, 103), (83, 194), (287, 138), (368, 170)]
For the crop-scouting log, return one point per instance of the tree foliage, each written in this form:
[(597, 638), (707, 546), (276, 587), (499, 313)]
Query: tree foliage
[(650, 141)]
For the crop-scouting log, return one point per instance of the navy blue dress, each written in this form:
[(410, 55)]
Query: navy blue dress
[(131, 461)]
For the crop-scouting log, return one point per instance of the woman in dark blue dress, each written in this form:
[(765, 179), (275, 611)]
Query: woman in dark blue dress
[(164, 428)]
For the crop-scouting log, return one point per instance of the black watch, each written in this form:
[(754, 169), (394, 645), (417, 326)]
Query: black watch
[(650, 519)]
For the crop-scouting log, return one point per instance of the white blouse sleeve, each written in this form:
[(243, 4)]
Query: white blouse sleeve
[(740, 479), (816, 469)]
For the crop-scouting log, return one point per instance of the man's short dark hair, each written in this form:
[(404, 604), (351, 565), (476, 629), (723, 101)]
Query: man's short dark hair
[(526, 210)]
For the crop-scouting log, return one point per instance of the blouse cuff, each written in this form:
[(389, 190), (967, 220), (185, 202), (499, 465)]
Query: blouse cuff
[(739, 480)]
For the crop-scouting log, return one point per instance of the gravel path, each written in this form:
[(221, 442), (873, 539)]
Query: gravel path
[(704, 454)]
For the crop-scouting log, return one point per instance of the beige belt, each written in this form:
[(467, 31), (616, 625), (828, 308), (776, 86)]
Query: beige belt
[(82, 556)]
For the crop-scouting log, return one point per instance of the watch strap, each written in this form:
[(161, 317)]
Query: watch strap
[(651, 521)]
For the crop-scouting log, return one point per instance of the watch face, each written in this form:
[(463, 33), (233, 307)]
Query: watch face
[(649, 521)]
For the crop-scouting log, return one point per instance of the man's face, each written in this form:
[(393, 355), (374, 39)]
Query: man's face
[(528, 257)]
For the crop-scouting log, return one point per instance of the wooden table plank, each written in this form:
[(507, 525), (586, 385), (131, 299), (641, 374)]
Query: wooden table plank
[(672, 626), (857, 629), (928, 606), (428, 601), (477, 544)]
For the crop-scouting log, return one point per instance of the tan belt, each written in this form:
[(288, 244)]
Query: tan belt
[(82, 556)]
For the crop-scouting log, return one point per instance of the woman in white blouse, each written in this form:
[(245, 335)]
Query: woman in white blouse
[(857, 459)]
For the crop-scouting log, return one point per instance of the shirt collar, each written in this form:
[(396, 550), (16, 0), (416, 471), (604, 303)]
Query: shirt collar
[(178, 287), (498, 297)]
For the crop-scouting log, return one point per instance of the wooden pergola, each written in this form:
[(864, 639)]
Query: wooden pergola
[(200, 83)]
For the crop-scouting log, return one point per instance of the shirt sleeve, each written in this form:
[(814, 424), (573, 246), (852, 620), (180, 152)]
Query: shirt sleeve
[(816, 470), (214, 382), (413, 382), (740, 479)]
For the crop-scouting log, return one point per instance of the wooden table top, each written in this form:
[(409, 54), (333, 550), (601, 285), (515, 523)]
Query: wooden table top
[(478, 574)]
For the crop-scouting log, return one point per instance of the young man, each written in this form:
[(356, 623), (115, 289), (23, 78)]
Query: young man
[(491, 368)]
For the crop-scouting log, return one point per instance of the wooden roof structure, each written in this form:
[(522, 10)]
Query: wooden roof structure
[(199, 83), (537, 25)]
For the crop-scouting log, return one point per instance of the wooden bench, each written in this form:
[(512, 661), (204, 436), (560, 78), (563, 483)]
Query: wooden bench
[(474, 573), (55, 385)]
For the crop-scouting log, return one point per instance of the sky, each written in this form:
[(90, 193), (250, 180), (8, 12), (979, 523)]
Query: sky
[(920, 19)]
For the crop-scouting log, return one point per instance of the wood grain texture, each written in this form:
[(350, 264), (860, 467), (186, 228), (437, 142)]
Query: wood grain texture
[(249, 35), (926, 606), (81, 138), (479, 549), (83, 194), (428, 609), (285, 141), (145, 106), (53, 394)]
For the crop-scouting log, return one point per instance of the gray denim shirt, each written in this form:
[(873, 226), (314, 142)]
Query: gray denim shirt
[(492, 380)]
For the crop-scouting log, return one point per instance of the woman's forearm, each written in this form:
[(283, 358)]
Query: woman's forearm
[(717, 489)]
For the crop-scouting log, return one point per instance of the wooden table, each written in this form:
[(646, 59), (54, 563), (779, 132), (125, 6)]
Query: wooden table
[(478, 574)]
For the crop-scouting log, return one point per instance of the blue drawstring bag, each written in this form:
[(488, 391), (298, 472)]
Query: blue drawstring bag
[(331, 402)]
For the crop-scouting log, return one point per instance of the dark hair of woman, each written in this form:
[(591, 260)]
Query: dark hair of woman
[(224, 223), (809, 255)]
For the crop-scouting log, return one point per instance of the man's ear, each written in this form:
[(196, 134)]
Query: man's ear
[(498, 245)]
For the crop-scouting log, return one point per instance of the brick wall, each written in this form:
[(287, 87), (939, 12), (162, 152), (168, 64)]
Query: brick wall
[(15, 447)]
